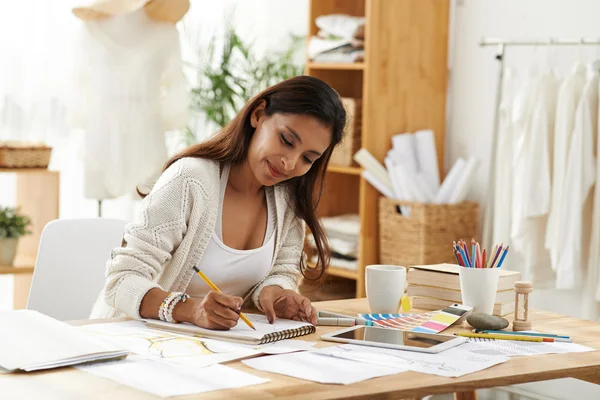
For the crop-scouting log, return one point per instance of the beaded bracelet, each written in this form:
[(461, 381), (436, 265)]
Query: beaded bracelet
[(162, 311), (169, 309)]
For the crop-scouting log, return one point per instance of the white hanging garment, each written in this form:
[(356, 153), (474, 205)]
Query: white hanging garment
[(569, 96), (575, 220), (129, 90), (594, 259), (521, 121), (504, 168), (533, 173)]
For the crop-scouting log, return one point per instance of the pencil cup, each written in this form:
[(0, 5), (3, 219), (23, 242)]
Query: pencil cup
[(385, 287), (478, 288)]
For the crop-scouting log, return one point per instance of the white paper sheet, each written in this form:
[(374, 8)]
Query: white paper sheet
[(464, 183), (30, 341), (370, 163), (286, 346), (170, 347), (513, 348), (378, 184), (427, 156), (404, 150), (166, 380), (452, 179), (450, 363), (321, 368)]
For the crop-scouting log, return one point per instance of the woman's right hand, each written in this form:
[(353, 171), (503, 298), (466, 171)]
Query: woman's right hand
[(217, 311)]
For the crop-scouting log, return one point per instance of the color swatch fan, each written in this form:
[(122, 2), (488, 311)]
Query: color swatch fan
[(431, 322)]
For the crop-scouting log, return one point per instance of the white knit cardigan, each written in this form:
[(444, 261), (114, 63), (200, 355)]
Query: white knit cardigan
[(177, 221)]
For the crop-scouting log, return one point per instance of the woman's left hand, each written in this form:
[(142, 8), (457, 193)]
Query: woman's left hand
[(285, 303)]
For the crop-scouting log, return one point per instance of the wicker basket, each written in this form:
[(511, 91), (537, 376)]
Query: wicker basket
[(24, 155), (424, 236), (342, 155)]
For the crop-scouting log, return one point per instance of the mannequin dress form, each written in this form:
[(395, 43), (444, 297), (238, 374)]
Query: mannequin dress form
[(129, 89)]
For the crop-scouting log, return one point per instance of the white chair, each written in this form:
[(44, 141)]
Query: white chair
[(71, 264)]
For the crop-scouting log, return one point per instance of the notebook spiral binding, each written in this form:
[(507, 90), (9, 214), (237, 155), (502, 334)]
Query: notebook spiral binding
[(288, 334)]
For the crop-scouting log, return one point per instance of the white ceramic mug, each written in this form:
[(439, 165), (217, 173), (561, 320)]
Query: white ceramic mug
[(385, 287)]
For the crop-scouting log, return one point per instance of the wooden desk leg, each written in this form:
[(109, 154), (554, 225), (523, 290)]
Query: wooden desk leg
[(470, 395)]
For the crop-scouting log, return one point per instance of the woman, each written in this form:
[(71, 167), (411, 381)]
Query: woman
[(234, 207)]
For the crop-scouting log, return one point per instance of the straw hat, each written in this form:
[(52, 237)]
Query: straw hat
[(158, 10)]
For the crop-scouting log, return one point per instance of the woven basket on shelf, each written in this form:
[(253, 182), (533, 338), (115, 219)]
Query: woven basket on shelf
[(24, 156), (343, 153), (424, 236)]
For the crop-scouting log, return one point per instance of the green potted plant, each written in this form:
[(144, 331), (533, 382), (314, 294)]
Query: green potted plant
[(12, 227), (231, 75)]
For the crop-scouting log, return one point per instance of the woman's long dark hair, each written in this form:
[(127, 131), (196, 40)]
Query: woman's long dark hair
[(303, 95)]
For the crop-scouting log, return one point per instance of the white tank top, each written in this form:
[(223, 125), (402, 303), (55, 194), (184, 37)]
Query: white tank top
[(234, 271)]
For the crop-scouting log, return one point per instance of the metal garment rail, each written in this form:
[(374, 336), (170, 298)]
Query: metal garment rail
[(501, 46)]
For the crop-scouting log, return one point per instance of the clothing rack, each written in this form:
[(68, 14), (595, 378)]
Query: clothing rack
[(501, 46)]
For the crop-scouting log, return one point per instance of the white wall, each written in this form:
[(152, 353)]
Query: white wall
[(267, 23), (474, 77), (473, 87)]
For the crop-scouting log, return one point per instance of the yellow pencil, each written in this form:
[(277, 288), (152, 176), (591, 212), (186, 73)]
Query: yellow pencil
[(216, 289), (505, 337)]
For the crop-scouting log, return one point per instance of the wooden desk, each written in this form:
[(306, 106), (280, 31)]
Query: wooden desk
[(69, 383)]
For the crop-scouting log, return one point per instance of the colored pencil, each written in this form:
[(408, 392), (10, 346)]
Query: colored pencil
[(503, 257), (455, 252), (479, 255), (461, 262), (216, 289), (557, 338), (465, 258), (466, 254), (506, 337), (474, 254), (484, 259), (497, 251)]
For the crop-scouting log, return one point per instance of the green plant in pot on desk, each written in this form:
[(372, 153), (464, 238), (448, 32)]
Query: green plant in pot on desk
[(12, 227)]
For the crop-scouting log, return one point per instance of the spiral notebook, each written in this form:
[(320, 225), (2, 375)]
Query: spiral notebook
[(264, 333)]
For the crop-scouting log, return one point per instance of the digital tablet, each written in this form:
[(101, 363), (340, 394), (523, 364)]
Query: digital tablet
[(394, 339)]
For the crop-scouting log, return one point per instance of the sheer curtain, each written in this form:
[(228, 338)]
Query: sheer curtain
[(37, 63)]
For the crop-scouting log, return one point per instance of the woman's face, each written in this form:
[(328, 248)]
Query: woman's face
[(285, 146)]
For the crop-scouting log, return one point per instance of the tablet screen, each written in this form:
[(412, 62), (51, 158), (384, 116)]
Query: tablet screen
[(394, 336)]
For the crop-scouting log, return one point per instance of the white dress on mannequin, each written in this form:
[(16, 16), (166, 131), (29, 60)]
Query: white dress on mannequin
[(129, 89)]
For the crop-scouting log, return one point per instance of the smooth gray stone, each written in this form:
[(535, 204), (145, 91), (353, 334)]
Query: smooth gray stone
[(486, 321)]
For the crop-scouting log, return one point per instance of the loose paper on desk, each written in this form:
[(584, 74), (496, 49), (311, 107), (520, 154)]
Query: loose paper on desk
[(170, 347), (322, 368), (450, 363), (513, 348), (167, 380), (184, 349), (32, 341)]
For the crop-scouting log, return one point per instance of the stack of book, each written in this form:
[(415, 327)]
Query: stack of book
[(433, 287)]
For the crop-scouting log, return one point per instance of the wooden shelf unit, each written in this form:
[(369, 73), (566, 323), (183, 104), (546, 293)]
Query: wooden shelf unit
[(38, 198), (338, 169), (336, 66), (402, 84)]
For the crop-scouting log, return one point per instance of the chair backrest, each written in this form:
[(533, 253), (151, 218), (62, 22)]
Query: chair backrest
[(71, 264)]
